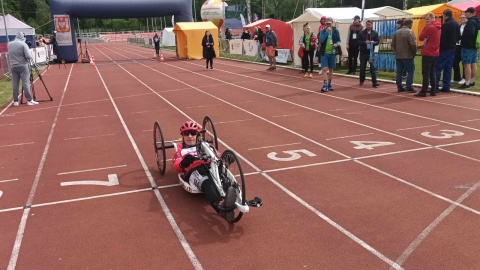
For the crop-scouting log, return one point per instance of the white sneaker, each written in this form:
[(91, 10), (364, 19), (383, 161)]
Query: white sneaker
[(15, 103), (32, 102), (320, 72), (462, 81)]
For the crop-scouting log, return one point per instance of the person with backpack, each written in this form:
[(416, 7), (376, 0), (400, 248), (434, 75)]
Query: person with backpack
[(308, 44), (469, 47)]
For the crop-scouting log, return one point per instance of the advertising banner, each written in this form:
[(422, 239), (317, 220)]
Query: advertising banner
[(235, 46), (64, 30), (250, 47)]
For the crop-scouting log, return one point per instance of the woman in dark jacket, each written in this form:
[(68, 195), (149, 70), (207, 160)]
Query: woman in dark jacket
[(208, 50)]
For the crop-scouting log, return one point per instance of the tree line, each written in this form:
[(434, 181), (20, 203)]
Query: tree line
[(36, 13)]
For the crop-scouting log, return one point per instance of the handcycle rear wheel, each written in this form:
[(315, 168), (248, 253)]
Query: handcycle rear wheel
[(210, 135), (159, 144), (233, 176)]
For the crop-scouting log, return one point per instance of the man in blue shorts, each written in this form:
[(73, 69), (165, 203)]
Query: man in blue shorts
[(469, 51), (330, 42)]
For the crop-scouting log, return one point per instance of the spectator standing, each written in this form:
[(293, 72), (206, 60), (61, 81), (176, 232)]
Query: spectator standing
[(320, 28), (330, 41), (156, 42), (259, 37), (469, 51), (246, 35), (430, 51), (352, 44), (271, 45), (450, 34), (404, 46), (457, 77), (367, 40), (307, 42), (208, 49), (228, 34), (19, 57)]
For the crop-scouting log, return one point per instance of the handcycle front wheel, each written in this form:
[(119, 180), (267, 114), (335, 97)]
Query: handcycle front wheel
[(159, 144), (233, 176), (209, 135)]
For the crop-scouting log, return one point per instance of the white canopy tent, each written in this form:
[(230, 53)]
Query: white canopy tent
[(168, 37), (342, 17), (14, 26)]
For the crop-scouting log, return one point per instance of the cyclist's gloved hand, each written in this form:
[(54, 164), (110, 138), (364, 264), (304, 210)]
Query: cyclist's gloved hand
[(187, 161)]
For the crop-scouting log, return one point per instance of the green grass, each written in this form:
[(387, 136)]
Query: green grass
[(5, 90)]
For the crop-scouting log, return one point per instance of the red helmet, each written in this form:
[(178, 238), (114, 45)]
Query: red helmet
[(189, 125)]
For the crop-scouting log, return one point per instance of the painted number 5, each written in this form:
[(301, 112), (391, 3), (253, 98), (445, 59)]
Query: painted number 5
[(292, 155), (446, 134)]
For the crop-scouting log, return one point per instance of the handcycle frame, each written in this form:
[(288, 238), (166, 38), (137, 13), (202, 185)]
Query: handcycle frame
[(219, 167)]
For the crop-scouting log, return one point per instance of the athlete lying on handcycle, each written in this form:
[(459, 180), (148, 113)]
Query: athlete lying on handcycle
[(196, 171)]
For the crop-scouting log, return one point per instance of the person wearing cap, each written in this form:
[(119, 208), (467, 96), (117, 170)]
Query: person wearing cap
[(367, 40), (320, 28), (450, 34), (430, 50), (330, 42), (271, 45), (308, 43), (469, 51), (19, 57), (404, 45), (352, 44)]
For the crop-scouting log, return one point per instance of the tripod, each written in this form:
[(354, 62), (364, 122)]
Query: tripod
[(34, 66)]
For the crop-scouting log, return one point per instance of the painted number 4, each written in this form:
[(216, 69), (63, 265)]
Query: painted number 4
[(369, 145), (292, 155)]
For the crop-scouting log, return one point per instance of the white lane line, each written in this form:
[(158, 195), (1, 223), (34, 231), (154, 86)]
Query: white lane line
[(419, 239), (90, 197), (294, 196), (186, 246), (457, 143), (233, 121), (16, 144), (149, 111), (87, 137), (478, 119), (451, 96), (8, 180), (346, 109), (286, 115), (348, 136), (278, 145), (26, 212), (91, 170), (22, 123), (86, 117), (418, 127), (202, 106)]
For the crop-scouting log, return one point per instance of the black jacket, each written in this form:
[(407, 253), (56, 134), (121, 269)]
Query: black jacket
[(469, 35), (208, 49), (363, 36), (450, 34)]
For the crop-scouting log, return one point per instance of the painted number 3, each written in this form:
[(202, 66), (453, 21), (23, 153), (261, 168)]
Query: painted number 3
[(292, 155), (446, 134)]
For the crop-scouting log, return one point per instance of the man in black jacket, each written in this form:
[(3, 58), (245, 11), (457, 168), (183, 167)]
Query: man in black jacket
[(469, 51), (352, 44), (368, 39), (449, 37)]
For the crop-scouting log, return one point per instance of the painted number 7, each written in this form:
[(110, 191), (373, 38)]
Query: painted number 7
[(292, 155)]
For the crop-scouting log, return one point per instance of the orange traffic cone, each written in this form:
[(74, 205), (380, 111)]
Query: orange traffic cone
[(155, 55), (161, 57), (91, 61)]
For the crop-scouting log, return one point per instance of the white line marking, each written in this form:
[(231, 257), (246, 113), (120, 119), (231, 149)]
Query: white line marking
[(148, 111), (451, 96), (17, 144), (186, 246), (91, 170), (1, 193), (457, 143), (278, 145), (202, 106), (248, 101), (418, 127), (411, 248), (233, 121), (86, 117), (286, 115), (112, 181), (23, 222), (9, 180), (470, 120), (348, 136), (23, 123), (336, 110), (87, 137)]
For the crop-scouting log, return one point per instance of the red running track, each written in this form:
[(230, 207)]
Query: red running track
[(378, 179)]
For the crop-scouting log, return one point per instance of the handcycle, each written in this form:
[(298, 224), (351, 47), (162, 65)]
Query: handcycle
[(225, 170)]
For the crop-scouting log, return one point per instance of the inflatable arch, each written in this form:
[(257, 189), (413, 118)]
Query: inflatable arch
[(63, 12)]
